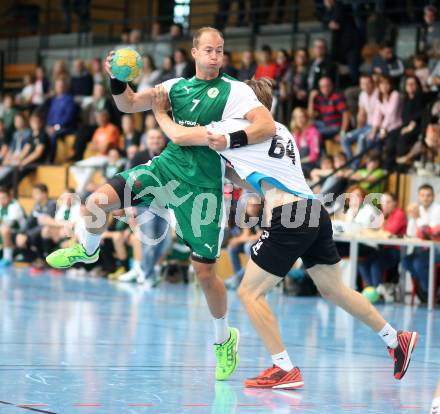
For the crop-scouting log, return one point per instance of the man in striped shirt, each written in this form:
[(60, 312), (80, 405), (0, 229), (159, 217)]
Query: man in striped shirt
[(329, 110)]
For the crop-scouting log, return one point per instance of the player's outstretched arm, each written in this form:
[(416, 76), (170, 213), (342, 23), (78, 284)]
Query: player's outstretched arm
[(125, 98), (179, 134)]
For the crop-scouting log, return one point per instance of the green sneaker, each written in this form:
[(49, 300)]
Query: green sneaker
[(227, 356), (64, 258)]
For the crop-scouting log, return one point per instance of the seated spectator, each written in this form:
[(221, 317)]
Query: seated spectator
[(227, 65), (426, 212), (247, 67), (167, 71), (293, 86), (329, 111), (427, 149), (12, 220), (59, 70), (176, 31), (115, 163), (18, 150), (7, 114), (366, 107), (385, 63), (106, 136), (338, 182), (81, 81), (375, 264), (61, 118), (244, 237), (266, 67), (371, 178), (98, 102), (24, 98), (326, 167), (183, 67), (321, 65), (307, 138), (131, 137), (346, 38), (429, 30), (3, 144), (399, 144), (152, 144), (41, 87), (97, 71), (282, 62), (149, 75), (28, 240), (421, 70), (387, 117)]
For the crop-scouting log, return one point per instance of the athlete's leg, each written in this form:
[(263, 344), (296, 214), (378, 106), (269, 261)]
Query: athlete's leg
[(328, 280), (252, 294)]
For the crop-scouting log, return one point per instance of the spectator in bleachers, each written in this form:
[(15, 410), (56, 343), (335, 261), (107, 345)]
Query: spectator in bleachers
[(29, 238), (12, 219), (282, 62), (387, 117), (97, 71), (425, 213), (338, 182), (307, 138), (135, 40), (152, 144), (266, 68), (429, 30), (321, 65), (176, 31), (167, 71), (61, 117), (427, 149), (156, 31), (115, 163), (183, 67), (59, 70), (386, 63), (434, 77), (346, 39), (293, 87), (326, 167), (81, 81), (17, 151), (248, 66), (227, 65), (399, 144), (97, 102), (41, 87), (328, 109), (3, 143), (371, 178), (366, 107), (7, 113), (131, 137), (24, 97), (421, 70), (149, 76), (244, 236), (106, 136), (378, 261)]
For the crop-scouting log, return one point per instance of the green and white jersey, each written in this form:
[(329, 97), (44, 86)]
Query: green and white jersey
[(197, 102), (13, 215)]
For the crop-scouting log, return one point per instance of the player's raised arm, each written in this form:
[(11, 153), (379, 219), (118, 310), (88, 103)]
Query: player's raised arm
[(179, 134), (126, 100)]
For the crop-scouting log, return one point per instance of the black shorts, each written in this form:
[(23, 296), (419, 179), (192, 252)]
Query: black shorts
[(297, 230)]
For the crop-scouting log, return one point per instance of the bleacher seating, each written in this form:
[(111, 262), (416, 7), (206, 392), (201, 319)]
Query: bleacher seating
[(14, 73)]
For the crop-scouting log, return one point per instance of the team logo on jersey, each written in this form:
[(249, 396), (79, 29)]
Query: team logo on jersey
[(213, 92), (186, 88)]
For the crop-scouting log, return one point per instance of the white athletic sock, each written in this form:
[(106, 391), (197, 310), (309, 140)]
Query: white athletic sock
[(221, 329), (389, 335), (90, 241), (435, 408), (283, 361), (8, 253)]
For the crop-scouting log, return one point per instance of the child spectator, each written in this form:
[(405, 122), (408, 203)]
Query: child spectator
[(371, 177)]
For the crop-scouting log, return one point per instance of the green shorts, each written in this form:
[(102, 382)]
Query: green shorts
[(198, 211)]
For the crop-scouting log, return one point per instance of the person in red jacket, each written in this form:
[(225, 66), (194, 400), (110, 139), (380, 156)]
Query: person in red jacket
[(267, 68), (375, 264)]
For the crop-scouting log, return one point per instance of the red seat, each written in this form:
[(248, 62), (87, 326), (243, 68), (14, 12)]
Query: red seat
[(414, 286)]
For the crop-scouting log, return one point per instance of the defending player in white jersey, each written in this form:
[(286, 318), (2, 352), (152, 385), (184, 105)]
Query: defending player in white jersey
[(300, 227)]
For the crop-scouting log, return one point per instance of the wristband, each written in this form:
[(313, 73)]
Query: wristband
[(117, 87), (238, 139), (228, 140)]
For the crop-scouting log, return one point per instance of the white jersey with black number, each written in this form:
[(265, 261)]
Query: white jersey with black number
[(275, 161)]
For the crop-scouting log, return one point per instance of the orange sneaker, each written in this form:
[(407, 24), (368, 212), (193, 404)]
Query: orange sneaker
[(402, 354), (276, 378)]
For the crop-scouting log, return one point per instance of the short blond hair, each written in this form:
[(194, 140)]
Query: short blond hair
[(202, 30), (263, 89)]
